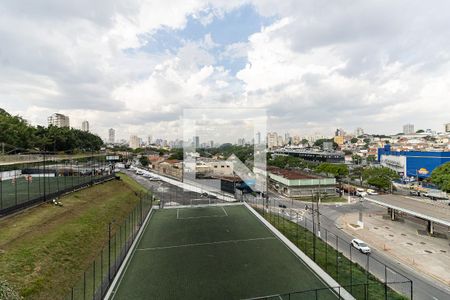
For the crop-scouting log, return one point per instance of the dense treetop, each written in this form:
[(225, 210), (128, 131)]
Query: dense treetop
[(20, 137)]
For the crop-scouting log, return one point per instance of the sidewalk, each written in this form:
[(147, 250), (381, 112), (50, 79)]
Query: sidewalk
[(423, 253)]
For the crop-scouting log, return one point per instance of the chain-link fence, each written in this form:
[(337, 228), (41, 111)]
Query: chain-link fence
[(25, 184), (364, 276), (97, 278)]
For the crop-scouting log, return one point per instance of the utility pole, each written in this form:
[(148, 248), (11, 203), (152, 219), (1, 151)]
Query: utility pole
[(318, 212), (313, 225)]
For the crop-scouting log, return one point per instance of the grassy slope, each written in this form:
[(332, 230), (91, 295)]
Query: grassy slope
[(44, 250), (349, 273)]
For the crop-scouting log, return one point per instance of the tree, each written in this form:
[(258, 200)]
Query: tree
[(441, 177), (354, 140), (144, 160), (356, 159), (420, 131), (8, 292), (379, 177), (337, 170), (177, 154)]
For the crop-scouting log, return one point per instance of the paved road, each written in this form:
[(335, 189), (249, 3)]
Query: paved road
[(424, 287), (416, 207)]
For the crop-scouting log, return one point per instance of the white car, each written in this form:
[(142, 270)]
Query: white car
[(371, 192), (360, 193), (361, 246)]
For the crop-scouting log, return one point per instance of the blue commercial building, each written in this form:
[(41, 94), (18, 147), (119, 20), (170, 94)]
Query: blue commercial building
[(418, 164)]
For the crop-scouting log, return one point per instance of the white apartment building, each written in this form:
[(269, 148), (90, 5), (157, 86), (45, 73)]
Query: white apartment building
[(85, 126), (408, 129), (111, 136), (58, 120), (135, 142)]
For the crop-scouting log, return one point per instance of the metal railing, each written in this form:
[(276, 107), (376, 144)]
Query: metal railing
[(26, 184), (98, 277)]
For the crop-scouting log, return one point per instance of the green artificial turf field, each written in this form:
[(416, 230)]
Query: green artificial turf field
[(215, 252)]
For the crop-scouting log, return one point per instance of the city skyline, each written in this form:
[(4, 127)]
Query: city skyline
[(121, 68)]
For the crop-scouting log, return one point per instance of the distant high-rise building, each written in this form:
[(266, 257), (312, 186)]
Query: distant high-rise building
[(211, 144), (287, 138), (258, 138), (272, 140), (58, 120), (408, 129), (135, 142), (85, 126), (359, 131), (111, 136), (196, 141), (339, 132), (447, 127), (149, 140)]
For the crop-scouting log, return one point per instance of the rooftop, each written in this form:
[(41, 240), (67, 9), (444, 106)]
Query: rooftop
[(292, 174)]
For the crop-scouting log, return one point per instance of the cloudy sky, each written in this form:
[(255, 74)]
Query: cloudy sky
[(314, 65)]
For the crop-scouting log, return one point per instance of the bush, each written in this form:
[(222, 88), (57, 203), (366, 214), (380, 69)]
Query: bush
[(7, 292)]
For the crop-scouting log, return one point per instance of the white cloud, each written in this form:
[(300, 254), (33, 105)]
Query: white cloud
[(320, 65)]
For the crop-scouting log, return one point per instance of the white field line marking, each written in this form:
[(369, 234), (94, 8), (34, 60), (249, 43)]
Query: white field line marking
[(225, 211), (200, 217), (206, 244)]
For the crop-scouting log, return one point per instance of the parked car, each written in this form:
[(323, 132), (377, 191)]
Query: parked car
[(281, 205), (361, 246)]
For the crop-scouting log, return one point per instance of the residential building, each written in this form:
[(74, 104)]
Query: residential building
[(58, 120), (272, 140), (135, 142), (111, 136), (339, 139), (408, 129), (339, 132), (359, 132), (258, 138), (196, 142), (85, 126), (447, 127)]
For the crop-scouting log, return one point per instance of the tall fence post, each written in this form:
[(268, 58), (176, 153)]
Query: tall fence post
[(109, 251), (337, 258), (84, 285), (385, 282), (93, 281)]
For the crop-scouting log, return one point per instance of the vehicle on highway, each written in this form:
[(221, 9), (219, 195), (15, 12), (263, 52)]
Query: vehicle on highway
[(139, 172), (281, 205), (147, 175), (361, 192), (361, 246), (371, 192), (414, 193)]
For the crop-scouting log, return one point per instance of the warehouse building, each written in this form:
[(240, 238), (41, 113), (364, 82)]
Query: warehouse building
[(417, 164)]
